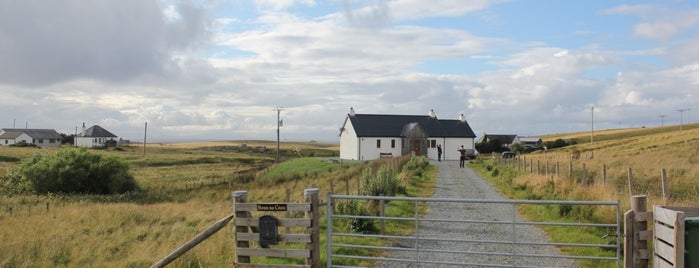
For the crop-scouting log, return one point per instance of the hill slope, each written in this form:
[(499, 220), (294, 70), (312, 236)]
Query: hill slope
[(645, 151)]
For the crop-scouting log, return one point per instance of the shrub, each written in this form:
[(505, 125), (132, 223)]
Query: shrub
[(73, 171), (355, 208), (385, 183)]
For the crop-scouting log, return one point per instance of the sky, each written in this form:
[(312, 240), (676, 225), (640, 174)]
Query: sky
[(221, 70)]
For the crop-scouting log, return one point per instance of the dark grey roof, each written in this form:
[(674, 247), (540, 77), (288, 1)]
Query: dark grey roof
[(503, 138), (96, 131), (11, 133), (379, 125)]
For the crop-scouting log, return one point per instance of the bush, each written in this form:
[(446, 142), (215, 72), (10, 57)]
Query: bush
[(355, 208), (73, 171), (385, 183)]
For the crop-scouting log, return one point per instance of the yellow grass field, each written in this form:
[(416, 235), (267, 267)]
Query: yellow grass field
[(644, 151)]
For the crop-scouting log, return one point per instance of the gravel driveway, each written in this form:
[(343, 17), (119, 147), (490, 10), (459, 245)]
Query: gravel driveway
[(464, 183)]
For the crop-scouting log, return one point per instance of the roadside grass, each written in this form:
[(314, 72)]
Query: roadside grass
[(644, 151), (509, 182)]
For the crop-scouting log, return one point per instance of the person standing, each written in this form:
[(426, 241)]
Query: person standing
[(462, 158), (439, 152)]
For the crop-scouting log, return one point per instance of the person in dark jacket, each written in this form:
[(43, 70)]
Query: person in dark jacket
[(462, 158), (439, 152)]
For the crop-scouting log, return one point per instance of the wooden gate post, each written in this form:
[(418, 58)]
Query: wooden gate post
[(636, 234), (312, 197), (241, 197)]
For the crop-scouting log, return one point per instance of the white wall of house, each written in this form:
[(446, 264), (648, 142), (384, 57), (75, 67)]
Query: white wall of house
[(47, 142), (452, 145), (91, 141), (24, 137), (371, 148), (349, 144), (366, 148), (7, 142)]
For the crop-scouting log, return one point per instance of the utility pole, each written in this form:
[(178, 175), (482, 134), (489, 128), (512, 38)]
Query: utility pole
[(681, 116), (279, 124), (592, 124), (145, 132), (592, 130), (662, 120)]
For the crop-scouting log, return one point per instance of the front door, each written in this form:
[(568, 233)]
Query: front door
[(416, 146)]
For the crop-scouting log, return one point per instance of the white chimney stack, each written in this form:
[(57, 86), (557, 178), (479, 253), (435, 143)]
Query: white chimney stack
[(351, 111), (462, 118), (432, 114)]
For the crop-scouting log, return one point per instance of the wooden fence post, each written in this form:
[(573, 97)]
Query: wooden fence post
[(558, 169), (630, 178), (604, 173), (288, 213), (312, 197), (570, 170), (241, 197), (347, 186), (628, 239), (663, 177), (531, 165), (640, 232)]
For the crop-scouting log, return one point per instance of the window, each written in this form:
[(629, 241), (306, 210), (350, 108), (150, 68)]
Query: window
[(393, 143), (433, 144), (52, 140), (378, 143)]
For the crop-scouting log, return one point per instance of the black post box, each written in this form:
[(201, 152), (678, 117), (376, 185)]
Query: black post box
[(268, 230)]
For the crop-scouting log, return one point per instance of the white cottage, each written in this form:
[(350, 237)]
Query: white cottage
[(94, 136), (38, 137), (372, 136)]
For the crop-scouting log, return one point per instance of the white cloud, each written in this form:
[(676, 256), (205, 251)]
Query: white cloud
[(164, 71), (659, 22)]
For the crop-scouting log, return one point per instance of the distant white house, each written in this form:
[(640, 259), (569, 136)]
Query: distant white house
[(372, 136), (94, 136), (38, 137)]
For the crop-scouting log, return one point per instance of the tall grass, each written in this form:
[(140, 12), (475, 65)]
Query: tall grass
[(185, 189)]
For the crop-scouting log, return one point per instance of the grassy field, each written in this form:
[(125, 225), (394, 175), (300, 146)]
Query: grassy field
[(185, 188), (645, 151)]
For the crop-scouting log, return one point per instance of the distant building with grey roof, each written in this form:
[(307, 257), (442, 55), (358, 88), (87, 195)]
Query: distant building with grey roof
[(95, 136), (38, 137)]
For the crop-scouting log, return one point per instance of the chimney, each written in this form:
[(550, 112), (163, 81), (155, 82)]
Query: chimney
[(432, 114), (462, 118), (351, 111)]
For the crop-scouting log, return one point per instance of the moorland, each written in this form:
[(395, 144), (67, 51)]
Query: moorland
[(185, 187)]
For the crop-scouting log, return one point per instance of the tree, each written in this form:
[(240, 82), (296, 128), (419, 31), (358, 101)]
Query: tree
[(490, 146), (67, 139)]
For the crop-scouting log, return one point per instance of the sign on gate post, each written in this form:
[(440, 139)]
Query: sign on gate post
[(258, 235)]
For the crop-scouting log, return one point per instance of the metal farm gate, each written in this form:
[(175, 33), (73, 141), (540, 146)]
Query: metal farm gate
[(464, 232)]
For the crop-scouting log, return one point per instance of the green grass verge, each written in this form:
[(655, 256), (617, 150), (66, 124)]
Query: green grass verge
[(503, 178)]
